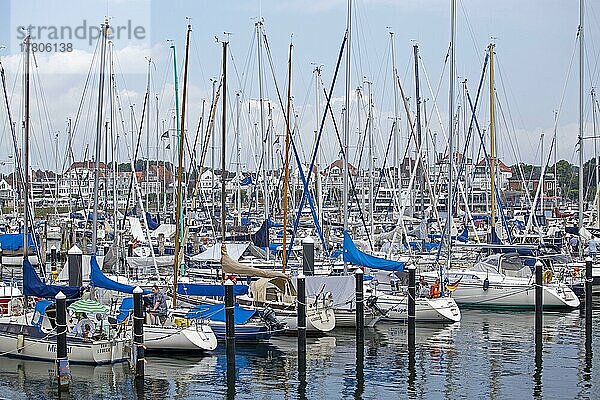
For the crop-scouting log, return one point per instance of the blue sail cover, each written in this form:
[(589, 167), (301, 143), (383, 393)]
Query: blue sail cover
[(98, 279), (197, 289), (464, 236), (14, 241), (353, 255), (216, 312), (152, 223), (247, 181), (33, 285), (260, 238)]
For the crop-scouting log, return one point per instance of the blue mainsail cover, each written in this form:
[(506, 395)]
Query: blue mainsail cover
[(216, 312), (14, 241), (98, 279), (33, 285), (200, 289), (260, 238), (353, 255)]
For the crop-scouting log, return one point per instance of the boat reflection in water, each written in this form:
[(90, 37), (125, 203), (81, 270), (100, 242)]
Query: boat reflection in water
[(485, 355)]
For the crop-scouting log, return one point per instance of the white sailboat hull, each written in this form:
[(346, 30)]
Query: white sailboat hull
[(197, 337), (78, 351), (504, 291), (394, 308)]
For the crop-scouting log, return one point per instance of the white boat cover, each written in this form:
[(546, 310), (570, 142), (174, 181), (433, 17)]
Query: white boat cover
[(167, 229), (147, 262), (341, 287), (213, 253)]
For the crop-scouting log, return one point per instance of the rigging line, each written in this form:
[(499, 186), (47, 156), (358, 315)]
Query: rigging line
[(80, 107), (509, 112), (350, 179), (135, 154), (314, 153)]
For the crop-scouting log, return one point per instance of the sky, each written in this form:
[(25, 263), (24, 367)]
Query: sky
[(536, 73)]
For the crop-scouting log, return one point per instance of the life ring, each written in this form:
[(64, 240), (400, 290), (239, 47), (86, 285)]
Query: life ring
[(576, 272), (84, 328), (15, 307)]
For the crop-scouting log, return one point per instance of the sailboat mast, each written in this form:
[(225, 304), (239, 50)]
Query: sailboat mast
[(223, 136), (596, 155), (581, 82), (26, 150), (262, 124), (286, 166), (449, 218), (491, 48), (99, 135), (180, 134), (396, 124), (238, 197), (419, 136), (148, 138), (347, 122), (371, 163), (318, 179), (157, 157), (542, 169)]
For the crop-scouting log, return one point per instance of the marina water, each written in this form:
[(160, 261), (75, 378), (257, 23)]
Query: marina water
[(487, 355)]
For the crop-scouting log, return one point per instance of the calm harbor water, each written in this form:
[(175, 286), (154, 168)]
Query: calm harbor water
[(486, 355)]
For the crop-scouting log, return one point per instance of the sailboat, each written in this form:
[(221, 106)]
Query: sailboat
[(32, 334)]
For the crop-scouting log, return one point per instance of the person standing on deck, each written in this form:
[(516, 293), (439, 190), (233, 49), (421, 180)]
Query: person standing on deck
[(159, 305)]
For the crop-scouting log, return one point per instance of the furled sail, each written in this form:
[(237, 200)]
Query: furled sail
[(233, 267)]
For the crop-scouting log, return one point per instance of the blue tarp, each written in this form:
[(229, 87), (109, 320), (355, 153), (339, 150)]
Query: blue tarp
[(40, 310), (33, 285), (91, 216), (98, 279), (273, 224), (14, 241), (428, 245), (247, 181), (353, 255), (246, 221), (124, 309), (216, 312), (197, 289)]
